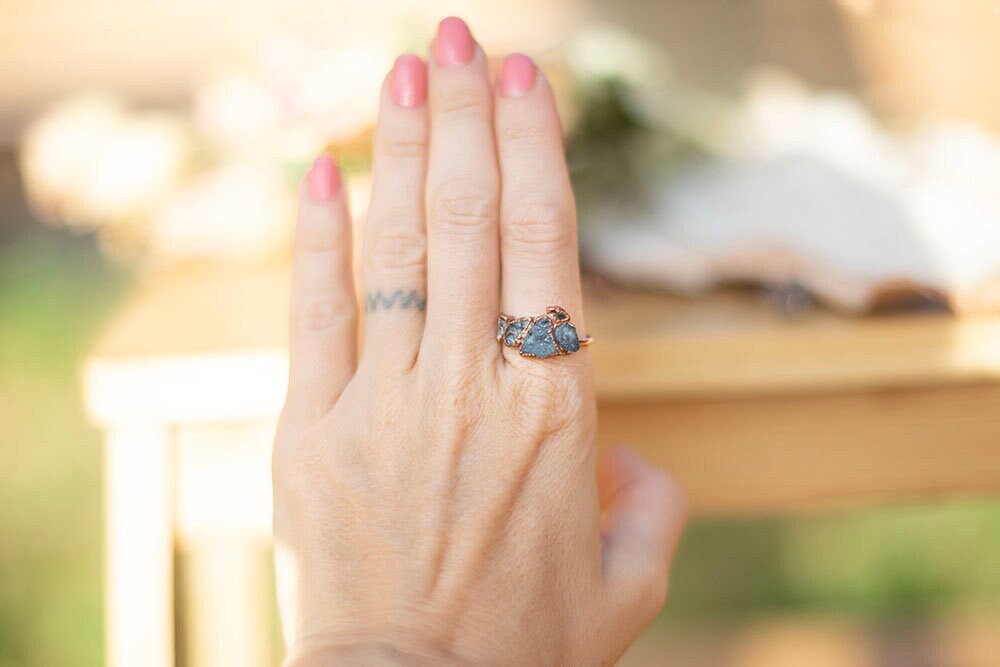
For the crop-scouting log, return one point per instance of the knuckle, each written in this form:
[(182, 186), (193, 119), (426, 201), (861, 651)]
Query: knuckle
[(456, 391), (545, 401), (319, 237), (401, 146), (313, 315), (538, 227), (454, 417), (532, 134), (464, 206), (461, 100), (394, 247), (295, 466), (310, 475)]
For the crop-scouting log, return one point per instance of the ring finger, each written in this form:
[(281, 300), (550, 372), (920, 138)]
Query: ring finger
[(538, 245)]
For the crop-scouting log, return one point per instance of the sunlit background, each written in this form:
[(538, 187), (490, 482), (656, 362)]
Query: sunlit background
[(840, 157)]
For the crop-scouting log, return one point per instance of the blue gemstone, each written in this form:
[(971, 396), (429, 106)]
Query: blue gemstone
[(501, 323), (558, 314), (565, 335), (538, 342), (513, 330)]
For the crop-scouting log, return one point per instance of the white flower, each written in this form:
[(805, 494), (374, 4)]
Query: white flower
[(88, 163), (236, 210), (781, 118)]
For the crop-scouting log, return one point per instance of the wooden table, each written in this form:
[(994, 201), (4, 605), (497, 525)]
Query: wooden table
[(753, 411)]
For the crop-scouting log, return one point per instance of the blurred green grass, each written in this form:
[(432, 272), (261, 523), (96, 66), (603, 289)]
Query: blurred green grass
[(55, 291), (895, 562)]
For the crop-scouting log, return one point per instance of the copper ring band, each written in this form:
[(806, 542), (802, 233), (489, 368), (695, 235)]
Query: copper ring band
[(549, 335)]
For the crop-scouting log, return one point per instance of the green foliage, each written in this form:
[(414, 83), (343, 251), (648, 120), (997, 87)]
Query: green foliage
[(887, 562), (615, 149)]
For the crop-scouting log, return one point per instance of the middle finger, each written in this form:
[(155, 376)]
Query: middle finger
[(463, 187)]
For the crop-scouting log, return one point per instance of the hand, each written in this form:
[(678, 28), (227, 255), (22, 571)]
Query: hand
[(436, 498)]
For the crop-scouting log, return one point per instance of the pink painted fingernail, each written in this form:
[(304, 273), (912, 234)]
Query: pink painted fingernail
[(454, 44), (408, 85), (323, 179), (517, 75)]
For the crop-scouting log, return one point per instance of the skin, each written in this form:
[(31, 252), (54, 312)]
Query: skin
[(438, 498)]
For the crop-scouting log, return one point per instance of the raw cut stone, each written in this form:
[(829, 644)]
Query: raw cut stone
[(513, 330), (558, 314), (538, 342), (565, 335)]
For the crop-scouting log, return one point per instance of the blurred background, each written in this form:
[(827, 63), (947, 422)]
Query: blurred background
[(835, 159)]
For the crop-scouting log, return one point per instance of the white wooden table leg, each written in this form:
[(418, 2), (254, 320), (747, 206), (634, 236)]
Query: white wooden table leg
[(139, 547), (225, 607), (223, 523)]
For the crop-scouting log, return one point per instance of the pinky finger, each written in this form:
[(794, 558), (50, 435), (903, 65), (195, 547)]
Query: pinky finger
[(644, 514), (323, 340)]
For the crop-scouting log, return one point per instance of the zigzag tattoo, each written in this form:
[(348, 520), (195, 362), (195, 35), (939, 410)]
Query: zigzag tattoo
[(375, 301)]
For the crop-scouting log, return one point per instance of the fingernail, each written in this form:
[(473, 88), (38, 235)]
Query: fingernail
[(517, 75), (323, 179), (408, 86), (454, 45)]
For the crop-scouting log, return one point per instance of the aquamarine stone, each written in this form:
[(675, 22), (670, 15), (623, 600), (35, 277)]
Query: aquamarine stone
[(513, 330), (538, 342), (558, 314), (566, 337)]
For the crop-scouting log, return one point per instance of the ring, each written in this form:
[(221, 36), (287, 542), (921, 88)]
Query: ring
[(547, 335)]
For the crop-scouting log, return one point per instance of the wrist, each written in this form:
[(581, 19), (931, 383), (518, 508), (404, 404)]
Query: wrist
[(341, 656), (366, 654)]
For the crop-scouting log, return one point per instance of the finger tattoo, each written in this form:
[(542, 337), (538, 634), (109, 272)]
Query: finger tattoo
[(405, 300)]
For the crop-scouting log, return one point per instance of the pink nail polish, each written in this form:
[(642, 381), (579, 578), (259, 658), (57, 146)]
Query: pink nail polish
[(323, 179), (408, 85), (517, 75), (454, 44)]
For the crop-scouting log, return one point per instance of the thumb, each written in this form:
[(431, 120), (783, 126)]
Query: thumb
[(643, 516)]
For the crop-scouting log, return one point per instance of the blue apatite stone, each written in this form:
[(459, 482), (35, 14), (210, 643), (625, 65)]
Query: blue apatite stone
[(501, 323), (538, 342), (565, 335), (512, 331)]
